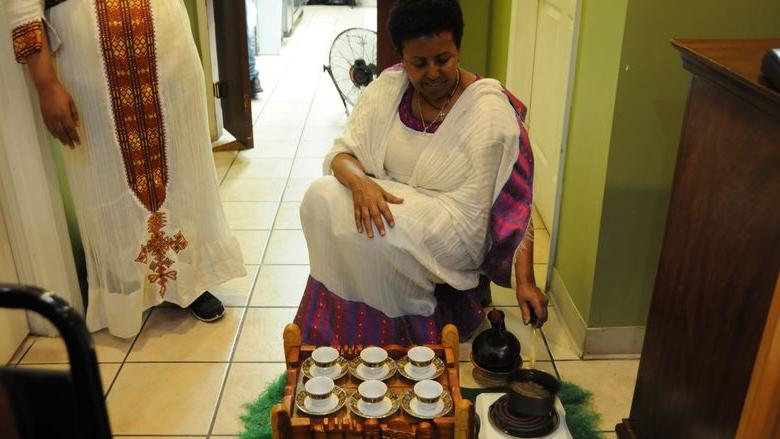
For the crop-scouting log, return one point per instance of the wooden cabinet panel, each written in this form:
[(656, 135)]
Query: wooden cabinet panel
[(721, 251)]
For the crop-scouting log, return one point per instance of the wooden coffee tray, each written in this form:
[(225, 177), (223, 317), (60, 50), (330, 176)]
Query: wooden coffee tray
[(288, 423)]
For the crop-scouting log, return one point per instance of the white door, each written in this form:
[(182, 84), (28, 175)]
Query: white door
[(547, 111), (13, 323), (522, 41)]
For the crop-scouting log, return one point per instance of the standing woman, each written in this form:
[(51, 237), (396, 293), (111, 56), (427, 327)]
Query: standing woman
[(120, 86)]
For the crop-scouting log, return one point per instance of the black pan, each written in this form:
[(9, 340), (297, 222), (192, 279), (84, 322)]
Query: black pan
[(531, 406)]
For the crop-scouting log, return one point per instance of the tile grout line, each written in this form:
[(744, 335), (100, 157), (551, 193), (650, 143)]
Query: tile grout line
[(200, 362), (257, 272), (127, 354), (254, 283), (166, 362), (26, 351), (221, 180), (233, 349)]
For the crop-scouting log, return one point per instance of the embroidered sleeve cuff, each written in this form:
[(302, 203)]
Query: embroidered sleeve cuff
[(28, 39)]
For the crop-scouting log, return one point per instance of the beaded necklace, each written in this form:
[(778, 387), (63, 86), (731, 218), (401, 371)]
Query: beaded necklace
[(442, 113)]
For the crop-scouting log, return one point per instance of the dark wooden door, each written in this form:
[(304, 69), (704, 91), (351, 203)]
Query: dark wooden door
[(386, 55), (235, 91)]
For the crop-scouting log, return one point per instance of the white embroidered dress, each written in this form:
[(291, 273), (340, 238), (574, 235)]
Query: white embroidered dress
[(143, 178), (441, 228)]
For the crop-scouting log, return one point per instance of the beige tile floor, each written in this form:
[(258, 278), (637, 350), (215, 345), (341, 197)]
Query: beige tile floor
[(180, 377)]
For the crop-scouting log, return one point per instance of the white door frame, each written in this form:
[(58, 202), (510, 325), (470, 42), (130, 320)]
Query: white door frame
[(564, 144), (518, 70), (522, 41)]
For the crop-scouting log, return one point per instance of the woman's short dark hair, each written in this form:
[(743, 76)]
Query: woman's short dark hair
[(423, 18)]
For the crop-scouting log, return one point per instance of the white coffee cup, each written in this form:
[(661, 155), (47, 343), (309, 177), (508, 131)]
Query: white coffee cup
[(373, 358), (428, 394), (319, 390), (325, 357), (372, 392), (420, 357)]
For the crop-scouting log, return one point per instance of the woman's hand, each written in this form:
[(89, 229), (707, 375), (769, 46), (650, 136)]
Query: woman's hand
[(529, 297), (57, 107), (59, 113), (370, 203)]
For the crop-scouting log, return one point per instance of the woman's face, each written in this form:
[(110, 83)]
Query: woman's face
[(431, 63)]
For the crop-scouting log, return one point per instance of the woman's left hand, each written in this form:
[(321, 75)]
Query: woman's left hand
[(529, 296)]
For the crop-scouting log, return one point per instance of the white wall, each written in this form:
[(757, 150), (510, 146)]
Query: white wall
[(269, 26)]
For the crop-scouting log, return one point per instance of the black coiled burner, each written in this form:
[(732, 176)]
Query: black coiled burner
[(521, 426)]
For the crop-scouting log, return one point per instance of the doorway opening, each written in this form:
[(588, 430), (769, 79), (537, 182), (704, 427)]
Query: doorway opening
[(540, 70), (283, 54)]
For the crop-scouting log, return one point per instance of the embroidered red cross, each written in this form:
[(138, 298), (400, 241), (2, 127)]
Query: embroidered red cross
[(157, 248)]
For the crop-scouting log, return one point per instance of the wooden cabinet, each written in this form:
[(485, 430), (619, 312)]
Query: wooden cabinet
[(718, 272)]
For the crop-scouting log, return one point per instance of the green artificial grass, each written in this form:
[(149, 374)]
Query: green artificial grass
[(257, 418), (581, 420)]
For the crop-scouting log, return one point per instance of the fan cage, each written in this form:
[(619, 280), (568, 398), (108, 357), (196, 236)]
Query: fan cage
[(352, 63)]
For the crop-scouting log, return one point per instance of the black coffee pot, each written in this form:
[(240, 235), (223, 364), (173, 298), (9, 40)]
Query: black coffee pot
[(496, 350)]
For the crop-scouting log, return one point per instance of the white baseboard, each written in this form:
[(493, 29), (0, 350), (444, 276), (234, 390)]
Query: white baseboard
[(567, 311), (594, 343), (614, 342)]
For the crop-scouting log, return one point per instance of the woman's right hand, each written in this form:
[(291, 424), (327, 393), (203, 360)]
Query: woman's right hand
[(370, 204), (59, 113)]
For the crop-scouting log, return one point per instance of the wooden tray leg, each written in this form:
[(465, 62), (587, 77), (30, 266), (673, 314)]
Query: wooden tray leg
[(280, 422), (464, 419), (292, 339), (451, 339)]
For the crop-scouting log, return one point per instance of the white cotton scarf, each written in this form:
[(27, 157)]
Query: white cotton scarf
[(451, 167)]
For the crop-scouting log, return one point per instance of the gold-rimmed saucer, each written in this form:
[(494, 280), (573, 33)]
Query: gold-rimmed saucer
[(406, 404), (437, 368), (311, 370), (354, 401), (339, 394), (354, 369)]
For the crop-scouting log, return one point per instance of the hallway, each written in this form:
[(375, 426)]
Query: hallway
[(181, 377)]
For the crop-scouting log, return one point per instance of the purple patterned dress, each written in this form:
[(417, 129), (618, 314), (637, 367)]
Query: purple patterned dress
[(327, 319)]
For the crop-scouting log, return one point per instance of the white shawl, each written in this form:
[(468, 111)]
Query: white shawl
[(473, 151)]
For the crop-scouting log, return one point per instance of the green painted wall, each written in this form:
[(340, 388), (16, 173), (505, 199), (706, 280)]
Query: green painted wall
[(610, 272), (595, 87), (498, 40), (645, 136), (474, 47), (485, 46)]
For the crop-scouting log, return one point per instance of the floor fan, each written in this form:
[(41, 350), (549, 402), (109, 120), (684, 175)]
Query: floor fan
[(352, 63)]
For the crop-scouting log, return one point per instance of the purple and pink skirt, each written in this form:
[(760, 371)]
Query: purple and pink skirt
[(327, 319)]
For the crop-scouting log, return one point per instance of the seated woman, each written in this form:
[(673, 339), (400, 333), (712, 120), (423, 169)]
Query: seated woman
[(430, 185)]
